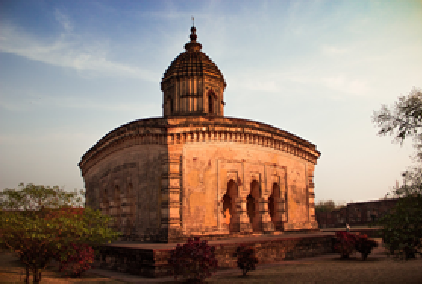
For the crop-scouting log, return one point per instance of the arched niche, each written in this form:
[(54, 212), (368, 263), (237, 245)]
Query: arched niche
[(229, 206), (211, 107), (252, 205), (275, 195)]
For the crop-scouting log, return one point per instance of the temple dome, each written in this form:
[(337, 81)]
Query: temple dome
[(193, 84), (193, 64)]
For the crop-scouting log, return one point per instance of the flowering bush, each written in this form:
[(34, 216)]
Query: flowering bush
[(193, 261), (346, 243), (246, 259), (365, 245), (78, 261)]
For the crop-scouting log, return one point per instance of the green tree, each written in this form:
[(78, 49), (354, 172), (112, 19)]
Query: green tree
[(327, 206), (402, 227), (403, 120), (42, 230)]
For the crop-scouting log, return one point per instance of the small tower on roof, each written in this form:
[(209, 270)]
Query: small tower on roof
[(193, 84)]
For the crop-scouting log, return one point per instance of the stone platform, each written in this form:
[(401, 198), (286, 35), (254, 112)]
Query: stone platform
[(151, 259)]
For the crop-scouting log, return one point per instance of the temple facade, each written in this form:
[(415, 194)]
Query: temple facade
[(196, 172)]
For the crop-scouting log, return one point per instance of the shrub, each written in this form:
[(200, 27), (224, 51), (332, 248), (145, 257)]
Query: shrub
[(246, 259), (365, 245), (78, 261), (346, 243), (193, 261), (402, 229)]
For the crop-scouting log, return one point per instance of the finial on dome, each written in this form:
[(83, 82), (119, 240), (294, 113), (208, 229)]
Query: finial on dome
[(193, 35), (193, 31), (193, 46)]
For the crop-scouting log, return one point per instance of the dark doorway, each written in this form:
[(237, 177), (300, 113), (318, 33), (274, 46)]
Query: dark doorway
[(275, 194), (210, 104), (229, 206), (252, 205)]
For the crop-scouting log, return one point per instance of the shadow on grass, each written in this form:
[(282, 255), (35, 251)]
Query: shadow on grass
[(13, 271)]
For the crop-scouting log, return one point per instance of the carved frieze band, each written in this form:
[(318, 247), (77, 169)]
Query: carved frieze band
[(159, 136)]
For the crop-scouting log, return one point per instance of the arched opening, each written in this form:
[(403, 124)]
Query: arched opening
[(210, 108), (117, 191), (227, 202), (129, 190), (229, 207), (271, 209), (275, 194), (252, 205), (210, 102)]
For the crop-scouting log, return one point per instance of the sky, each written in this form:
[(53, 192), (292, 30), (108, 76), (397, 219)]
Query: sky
[(71, 71)]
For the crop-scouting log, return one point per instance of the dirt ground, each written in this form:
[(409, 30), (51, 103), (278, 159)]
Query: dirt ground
[(12, 271), (334, 270), (378, 268)]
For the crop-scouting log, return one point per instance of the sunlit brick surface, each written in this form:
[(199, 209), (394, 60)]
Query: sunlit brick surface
[(163, 178), (195, 171)]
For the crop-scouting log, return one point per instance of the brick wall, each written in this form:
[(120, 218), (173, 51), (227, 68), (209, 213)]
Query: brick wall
[(355, 214)]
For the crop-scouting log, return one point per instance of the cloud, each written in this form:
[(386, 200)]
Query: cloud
[(344, 84), (285, 82), (63, 20), (39, 100), (68, 50)]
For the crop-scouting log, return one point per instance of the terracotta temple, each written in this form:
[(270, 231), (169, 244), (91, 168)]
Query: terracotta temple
[(194, 171)]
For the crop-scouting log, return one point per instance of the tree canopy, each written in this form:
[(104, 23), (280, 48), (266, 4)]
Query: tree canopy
[(402, 227), (403, 120), (327, 206), (39, 223)]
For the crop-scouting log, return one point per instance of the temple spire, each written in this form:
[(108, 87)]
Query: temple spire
[(193, 46)]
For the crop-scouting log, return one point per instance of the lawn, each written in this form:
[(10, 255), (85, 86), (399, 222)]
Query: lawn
[(325, 269)]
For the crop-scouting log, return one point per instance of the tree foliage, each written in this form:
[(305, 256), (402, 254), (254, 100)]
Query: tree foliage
[(327, 206), (403, 120), (43, 224), (402, 227)]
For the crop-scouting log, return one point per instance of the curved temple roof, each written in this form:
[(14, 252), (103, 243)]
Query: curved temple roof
[(192, 62)]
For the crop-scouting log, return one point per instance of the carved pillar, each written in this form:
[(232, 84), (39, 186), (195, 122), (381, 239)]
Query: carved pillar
[(170, 211), (311, 197), (244, 223), (235, 218), (224, 224), (279, 213), (263, 215)]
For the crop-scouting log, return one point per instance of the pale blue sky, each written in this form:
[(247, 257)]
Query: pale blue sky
[(71, 71)]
